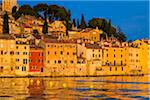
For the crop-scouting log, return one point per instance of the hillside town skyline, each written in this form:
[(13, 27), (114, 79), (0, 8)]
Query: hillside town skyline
[(135, 22), (54, 45)]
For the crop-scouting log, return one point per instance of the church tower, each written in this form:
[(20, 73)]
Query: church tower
[(7, 5)]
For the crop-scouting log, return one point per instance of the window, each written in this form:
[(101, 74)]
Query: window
[(99, 55), (48, 52), (110, 68), (25, 47), (24, 61), (48, 61), (17, 67), (1, 69), (11, 53), (121, 63), (67, 53), (24, 53), (122, 68), (107, 55), (114, 55), (65, 61), (55, 52), (17, 60), (23, 68), (61, 52), (55, 62), (115, 68), (121, 56), (1, 52), (17, 53), (71, 61), (74, 53), (17, 47), (34, 67), (11, 68), (59, 61), (137, 55), (93, 55), (114, 62)]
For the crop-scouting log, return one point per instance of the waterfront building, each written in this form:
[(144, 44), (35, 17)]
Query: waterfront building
[(60, 57), (144, 49), (133, 60), (7, 55), (114, 60), (22, 55), (36, 59), (92, 56)]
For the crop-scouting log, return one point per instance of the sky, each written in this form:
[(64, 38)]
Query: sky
[(131, 16)]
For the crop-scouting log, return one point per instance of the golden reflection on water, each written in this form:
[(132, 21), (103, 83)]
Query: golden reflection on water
[(74, 88)]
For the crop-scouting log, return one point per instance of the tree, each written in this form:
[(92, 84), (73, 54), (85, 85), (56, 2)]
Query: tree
[(40, 9), (45, 26), (102, 24), (120, 35), (83, 23), (14, 10), (25, 10), (78, 24), (109, 28), (74, 22), (5, 23)]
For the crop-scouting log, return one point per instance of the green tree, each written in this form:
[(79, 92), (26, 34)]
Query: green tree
[(5, 23), (83, 23), (14, 10), (120, 35), (78, 23), (45, 27), (41, 8), (102, 24), (74, 22), (25, 10)]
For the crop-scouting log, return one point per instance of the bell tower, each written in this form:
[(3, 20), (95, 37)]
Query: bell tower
[(7, 5)]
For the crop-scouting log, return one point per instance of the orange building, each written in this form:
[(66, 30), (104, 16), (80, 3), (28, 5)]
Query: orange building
[(60, 57), (36, 59)]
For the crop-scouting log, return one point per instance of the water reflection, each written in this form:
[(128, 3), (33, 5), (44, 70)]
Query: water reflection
[(36, 89), (74, 88)]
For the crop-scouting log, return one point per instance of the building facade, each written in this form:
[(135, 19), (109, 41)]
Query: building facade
[(36, 59)]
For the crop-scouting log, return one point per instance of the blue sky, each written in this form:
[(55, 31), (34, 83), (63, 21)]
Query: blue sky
[(131, 16)]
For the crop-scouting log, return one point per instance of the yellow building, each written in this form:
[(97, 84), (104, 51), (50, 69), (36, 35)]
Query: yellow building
[(7, 5), (144, 49), (7, 55), (22, 55), (133, 60), (92, 56), (60, 57), (57, 26), (114, 61), (87, 34)]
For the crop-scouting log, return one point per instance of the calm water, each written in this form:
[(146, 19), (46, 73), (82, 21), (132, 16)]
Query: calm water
[(79, 88)]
